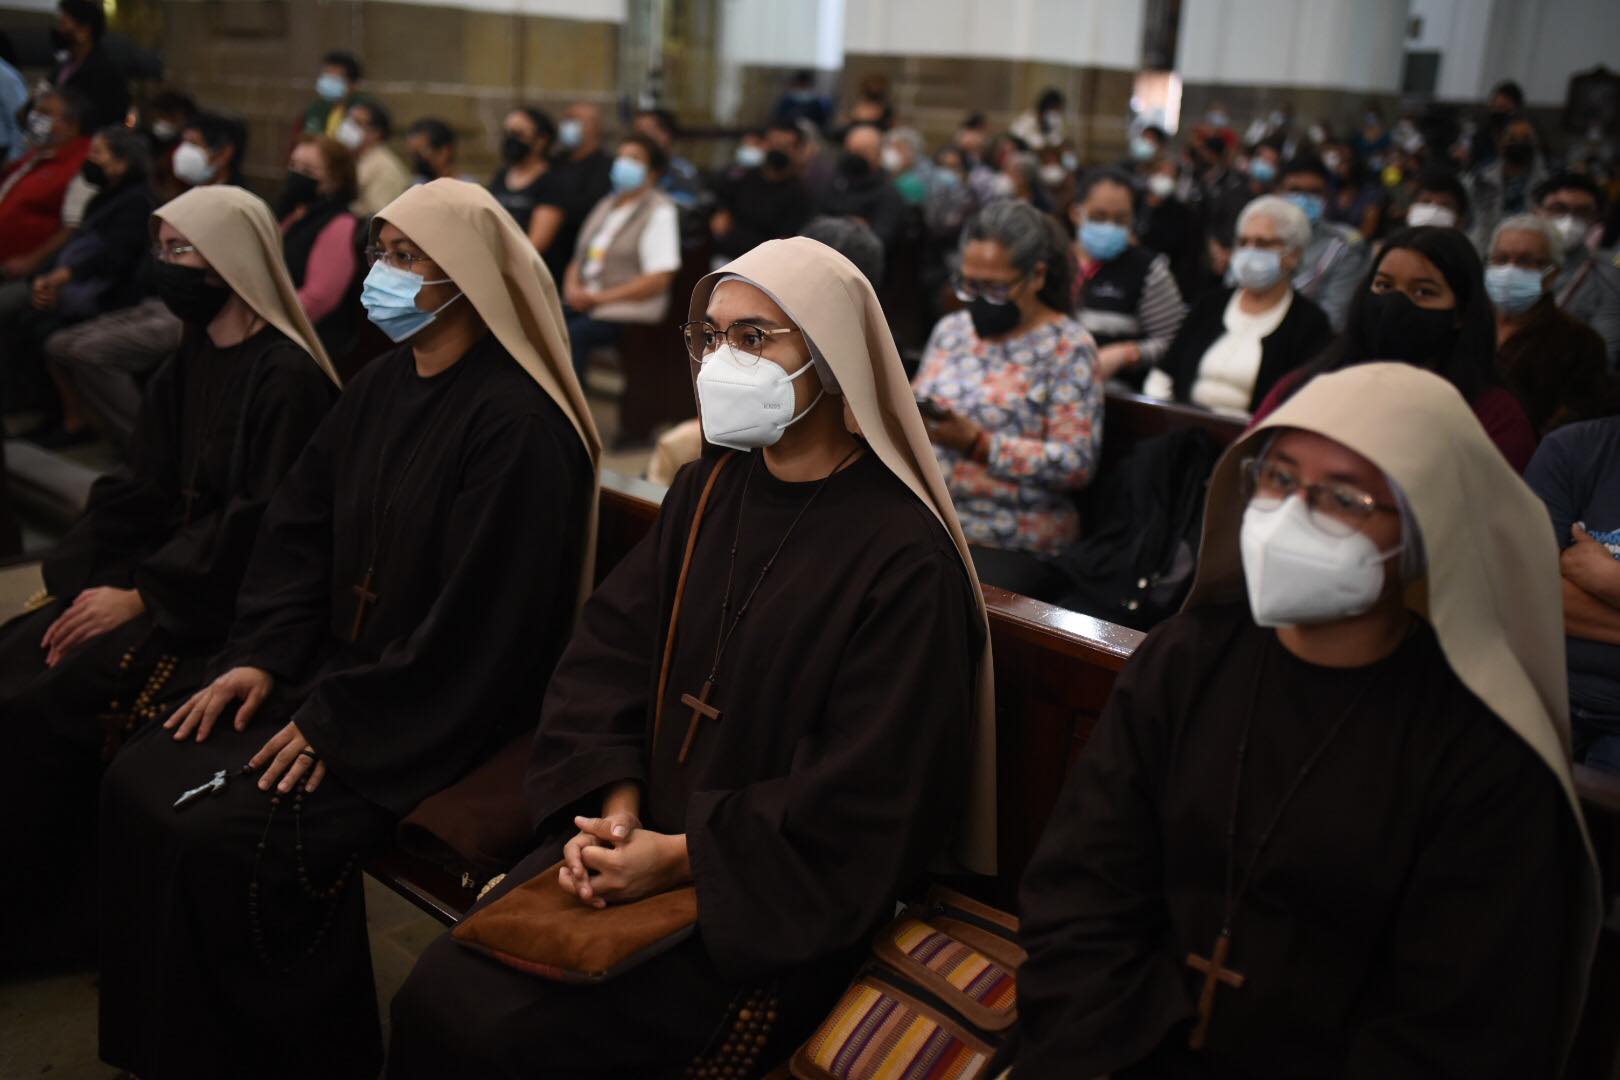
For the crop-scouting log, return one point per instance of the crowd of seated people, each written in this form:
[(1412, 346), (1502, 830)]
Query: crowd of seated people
[(326, 595)]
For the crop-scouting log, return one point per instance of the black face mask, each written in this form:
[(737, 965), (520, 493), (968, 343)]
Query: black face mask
[(1394, 328), (300, 190), (991, 319), (186, 291), (854, 166), (94, 174), (1519, 153), (778, 160), (61, 39), (423, 167), (515, 150)]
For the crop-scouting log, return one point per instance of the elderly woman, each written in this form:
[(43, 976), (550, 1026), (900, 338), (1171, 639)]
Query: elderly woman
[(628, 253), (1553, 363), (1238, 342), (1010, 389)]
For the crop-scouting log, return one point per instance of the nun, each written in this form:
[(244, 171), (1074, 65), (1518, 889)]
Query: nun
[(1326, 826), (140, 593), (781, 698), (414, 582)]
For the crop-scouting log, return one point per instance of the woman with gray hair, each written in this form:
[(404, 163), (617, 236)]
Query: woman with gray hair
[(1010, 393), (1237, 343), (1553, 363)]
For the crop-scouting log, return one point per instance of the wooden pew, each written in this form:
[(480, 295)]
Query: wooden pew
[(1128, 418)]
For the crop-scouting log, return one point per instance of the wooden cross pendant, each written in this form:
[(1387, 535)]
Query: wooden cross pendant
[(364, 598), (1215, 972), (701, 710)]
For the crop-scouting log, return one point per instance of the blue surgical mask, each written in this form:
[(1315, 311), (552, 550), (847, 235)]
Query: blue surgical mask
[(1309, 205), (750, 157), (1256, 268), (1103, 240), (1513, 289), (1142, 149), (627, 174), (332, 87), (389, 297), (1262, 171), (570, 133)]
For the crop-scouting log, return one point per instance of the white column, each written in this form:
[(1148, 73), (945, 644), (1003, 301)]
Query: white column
[(1081, 33), (1331, 44)]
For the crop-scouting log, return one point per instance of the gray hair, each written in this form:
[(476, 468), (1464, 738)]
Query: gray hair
[(1292, 224), (1531, 223), (853, 239), (1029, 238), (911, 138)]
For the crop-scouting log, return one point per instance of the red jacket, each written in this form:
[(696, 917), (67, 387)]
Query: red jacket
[(31, 191)]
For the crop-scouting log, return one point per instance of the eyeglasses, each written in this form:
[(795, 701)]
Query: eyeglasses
[(968, 290), (1336, 508), (749, 340), (172, 252), (399, 260)]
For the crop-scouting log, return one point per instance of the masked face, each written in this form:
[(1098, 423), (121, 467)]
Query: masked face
[(627, 174), (1310, 204), (1297, 574), (332, 87), (389, 297), (1256, 269), (1514, 289), (187, 292), (351, 133), (747, 401), (1395, 328), (1428, 213), (191, 165), (1104, 240)]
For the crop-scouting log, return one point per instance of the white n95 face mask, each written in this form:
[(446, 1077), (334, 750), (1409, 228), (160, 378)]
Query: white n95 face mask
[(747, 402), (1298, 575)]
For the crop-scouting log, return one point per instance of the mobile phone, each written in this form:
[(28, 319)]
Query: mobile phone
[(931, 409)]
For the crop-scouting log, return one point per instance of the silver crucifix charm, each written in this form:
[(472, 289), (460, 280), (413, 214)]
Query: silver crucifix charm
[(202, 790)]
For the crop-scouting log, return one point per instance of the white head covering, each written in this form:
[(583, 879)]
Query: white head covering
[(234, 230), (834, 305), (477, 244), (1485, 534)]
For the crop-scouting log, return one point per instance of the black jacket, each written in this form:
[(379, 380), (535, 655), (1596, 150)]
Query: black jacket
[(1302, 334), (101, 80)]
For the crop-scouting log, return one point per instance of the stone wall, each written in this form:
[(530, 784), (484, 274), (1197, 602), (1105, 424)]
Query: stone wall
[(258, 59)]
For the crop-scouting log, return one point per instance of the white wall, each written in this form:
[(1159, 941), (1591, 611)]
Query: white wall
[(1084, 33), (1335, 44), (783, 33), (1541, 43), (1460, 30)]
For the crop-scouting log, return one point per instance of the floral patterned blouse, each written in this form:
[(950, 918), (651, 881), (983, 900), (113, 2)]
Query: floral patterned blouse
[(1039, 398)]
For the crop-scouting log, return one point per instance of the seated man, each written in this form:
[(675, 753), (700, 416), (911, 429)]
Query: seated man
[(627, 255), (434, 151), (800, 775), (1337, 257), (337, 87), (413, 584), (1330, 831), (143, 587), (32, 189), (1553, 363), (381, 175), (1576, 471), (1588, 287)]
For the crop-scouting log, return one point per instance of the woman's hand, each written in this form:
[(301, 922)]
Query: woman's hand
[(93, 613), (289, 757), (954, 431), (618, 870), (249, 685), (1112, 359), (580, 299)]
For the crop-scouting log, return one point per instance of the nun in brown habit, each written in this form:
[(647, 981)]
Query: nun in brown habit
[(141, 591), (833, 630), (414, 582), (1326, 826)]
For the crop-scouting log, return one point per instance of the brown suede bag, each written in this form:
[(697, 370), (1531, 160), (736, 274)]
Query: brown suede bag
[(543, 929)]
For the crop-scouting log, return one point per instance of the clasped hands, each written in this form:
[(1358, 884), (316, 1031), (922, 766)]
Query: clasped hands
[(283, 757), (613, 860)]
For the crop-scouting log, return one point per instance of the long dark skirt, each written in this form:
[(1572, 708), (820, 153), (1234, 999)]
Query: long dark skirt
[(60, 725), (463, 1015), (203, 976)]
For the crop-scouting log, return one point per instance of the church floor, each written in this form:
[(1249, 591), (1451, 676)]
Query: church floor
[(48, 1023)]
